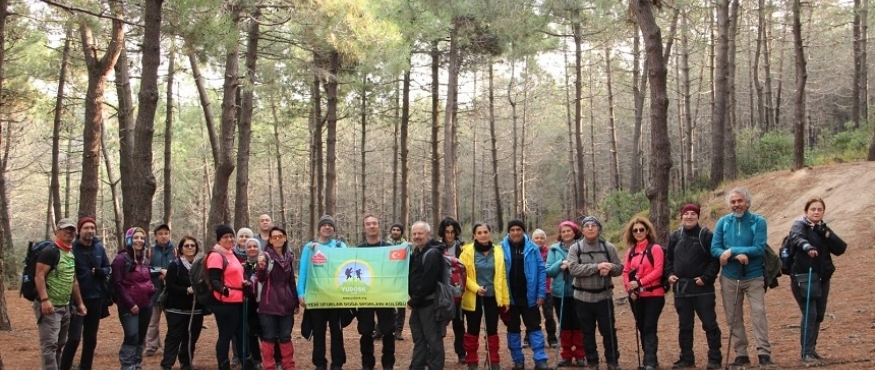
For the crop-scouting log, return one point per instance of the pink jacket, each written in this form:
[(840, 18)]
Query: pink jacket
[(648, 274)]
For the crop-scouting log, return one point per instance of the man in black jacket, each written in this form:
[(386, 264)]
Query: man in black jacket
[(692, 271), (425, 272)]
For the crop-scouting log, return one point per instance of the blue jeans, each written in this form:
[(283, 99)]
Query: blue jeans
[(134, 326), (276, 328), (228, 318)]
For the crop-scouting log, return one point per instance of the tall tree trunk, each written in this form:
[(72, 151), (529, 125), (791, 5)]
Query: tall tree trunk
[(768, 105), (580, 207), (241, 198), (493, 142), (118, 226), (858, 66), (125, 117), (405, 169), (523, 204), (612, 126), (660, 146), (637, 180), (168, 136), (316, 178), (758, 85), (205, 106), (98, 70), (453, 70), (396, 122), (730, 168), (364, 151), (864, 57), (225, 165), (435, 128), (721, 91), (572, 181), (515, 140), (688, 117), (801, 77), (780, 84), (279, 167), (56, 126), (331, 133), (5, 232)]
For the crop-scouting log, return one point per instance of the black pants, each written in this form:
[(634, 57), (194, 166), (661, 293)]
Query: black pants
[(459, 331), (523, 315), (179, 340), (472, 318), (400, 316), (549, 322), (647, 311), (566, 313), (84, 328), (599, 313), (810, 326), (366, 324), (703, 306), (228, 320), (322, 319)]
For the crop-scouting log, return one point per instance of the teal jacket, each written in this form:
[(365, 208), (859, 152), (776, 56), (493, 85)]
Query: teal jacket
[(555, 256), (746, 235), (304, 264)]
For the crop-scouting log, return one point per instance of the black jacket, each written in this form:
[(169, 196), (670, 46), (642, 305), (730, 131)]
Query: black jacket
[(425, 274), (803, 236), (177, 282), (688, 258)]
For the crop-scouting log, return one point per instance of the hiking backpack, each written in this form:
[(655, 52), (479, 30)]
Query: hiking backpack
[(28, 274), (787, 256), (772, 265), (663, 280), (200, 279), (129, 266), (449, 288)]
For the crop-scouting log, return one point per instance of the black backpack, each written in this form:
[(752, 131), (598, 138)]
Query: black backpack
[(28, 274), (200, 280), (649, 254), (129, 266)]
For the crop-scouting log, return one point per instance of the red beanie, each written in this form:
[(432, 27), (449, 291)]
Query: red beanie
[(84, 220), (690, 207)]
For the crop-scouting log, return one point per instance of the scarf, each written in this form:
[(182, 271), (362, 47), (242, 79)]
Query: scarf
[(482, 247), (185, 263), (62, 246)]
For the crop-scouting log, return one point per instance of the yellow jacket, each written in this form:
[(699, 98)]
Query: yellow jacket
[(469, 297)]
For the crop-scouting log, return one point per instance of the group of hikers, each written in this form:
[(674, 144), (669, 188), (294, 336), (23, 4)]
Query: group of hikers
[(256, 292)]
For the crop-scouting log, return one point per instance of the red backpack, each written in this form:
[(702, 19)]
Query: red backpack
[(455, 275)]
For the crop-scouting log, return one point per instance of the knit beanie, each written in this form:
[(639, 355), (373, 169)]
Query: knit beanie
[(570, 224), (399, 225), (690, 207), (129, 235), (223, 230), (327, 219), (85, 220), (516, 222), (591, 219), (245, 230)]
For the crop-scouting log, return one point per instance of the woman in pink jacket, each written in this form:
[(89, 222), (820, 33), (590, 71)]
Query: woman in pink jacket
[(642, 277)]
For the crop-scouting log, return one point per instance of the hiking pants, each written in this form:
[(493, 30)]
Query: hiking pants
[(599, 313), (82, 328), (647, 311), (752, 289), (176, 342), (52, 334), (816, 311), (704, 306)]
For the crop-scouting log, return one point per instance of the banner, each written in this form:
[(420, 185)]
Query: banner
[(358, 277)]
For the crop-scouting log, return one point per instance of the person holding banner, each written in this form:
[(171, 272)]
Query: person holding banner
[(385, 316), (485, 294), (277, 300), (426, 270), (322, 318)]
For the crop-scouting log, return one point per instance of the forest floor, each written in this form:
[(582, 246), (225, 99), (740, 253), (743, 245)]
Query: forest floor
[(847, 337)]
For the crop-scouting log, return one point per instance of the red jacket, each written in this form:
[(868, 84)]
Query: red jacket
[(649, 275)]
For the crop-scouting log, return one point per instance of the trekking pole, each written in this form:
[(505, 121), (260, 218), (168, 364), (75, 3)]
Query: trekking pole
[(611, 330), (735, 314), (245, 338), (486, 359), (807, 304), (561, 315), (637, 338), (190, 320)]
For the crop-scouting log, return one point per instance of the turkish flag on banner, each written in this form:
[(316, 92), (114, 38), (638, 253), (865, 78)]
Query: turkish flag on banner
[(398, 255)]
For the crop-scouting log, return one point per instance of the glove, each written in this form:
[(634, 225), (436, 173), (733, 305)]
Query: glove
[(504, 314), (821, 229), (226, 292)]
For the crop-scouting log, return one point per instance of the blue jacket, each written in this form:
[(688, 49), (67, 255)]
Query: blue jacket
[(91, 285), (304, 264), (746, 235), (536, 277), (160, 258), (555, 256)]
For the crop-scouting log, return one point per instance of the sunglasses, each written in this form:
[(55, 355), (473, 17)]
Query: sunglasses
[(638, 230), (189, 245), (278, 237)]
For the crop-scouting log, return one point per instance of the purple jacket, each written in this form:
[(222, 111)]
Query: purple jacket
[(132, 283), (278, 295)]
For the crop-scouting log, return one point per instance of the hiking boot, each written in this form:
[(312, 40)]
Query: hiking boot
[(519, 366), (809, 360), (553, 341), (377, 335), (472, 367), (765, 360), (614, 366), (592, 365), (564, 363), (740, 361), (649, 367), (580, 363), (817, 356), (462, 360), (525, 342), (682, 364), (714, 365), (398, 335), (542, 366)]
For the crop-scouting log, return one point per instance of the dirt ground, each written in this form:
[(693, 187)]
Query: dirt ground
[(847, 337)]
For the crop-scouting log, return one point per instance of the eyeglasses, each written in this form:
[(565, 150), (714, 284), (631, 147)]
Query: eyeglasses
[(590, 226), (189, 245), (278, 237), (638, 230)]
